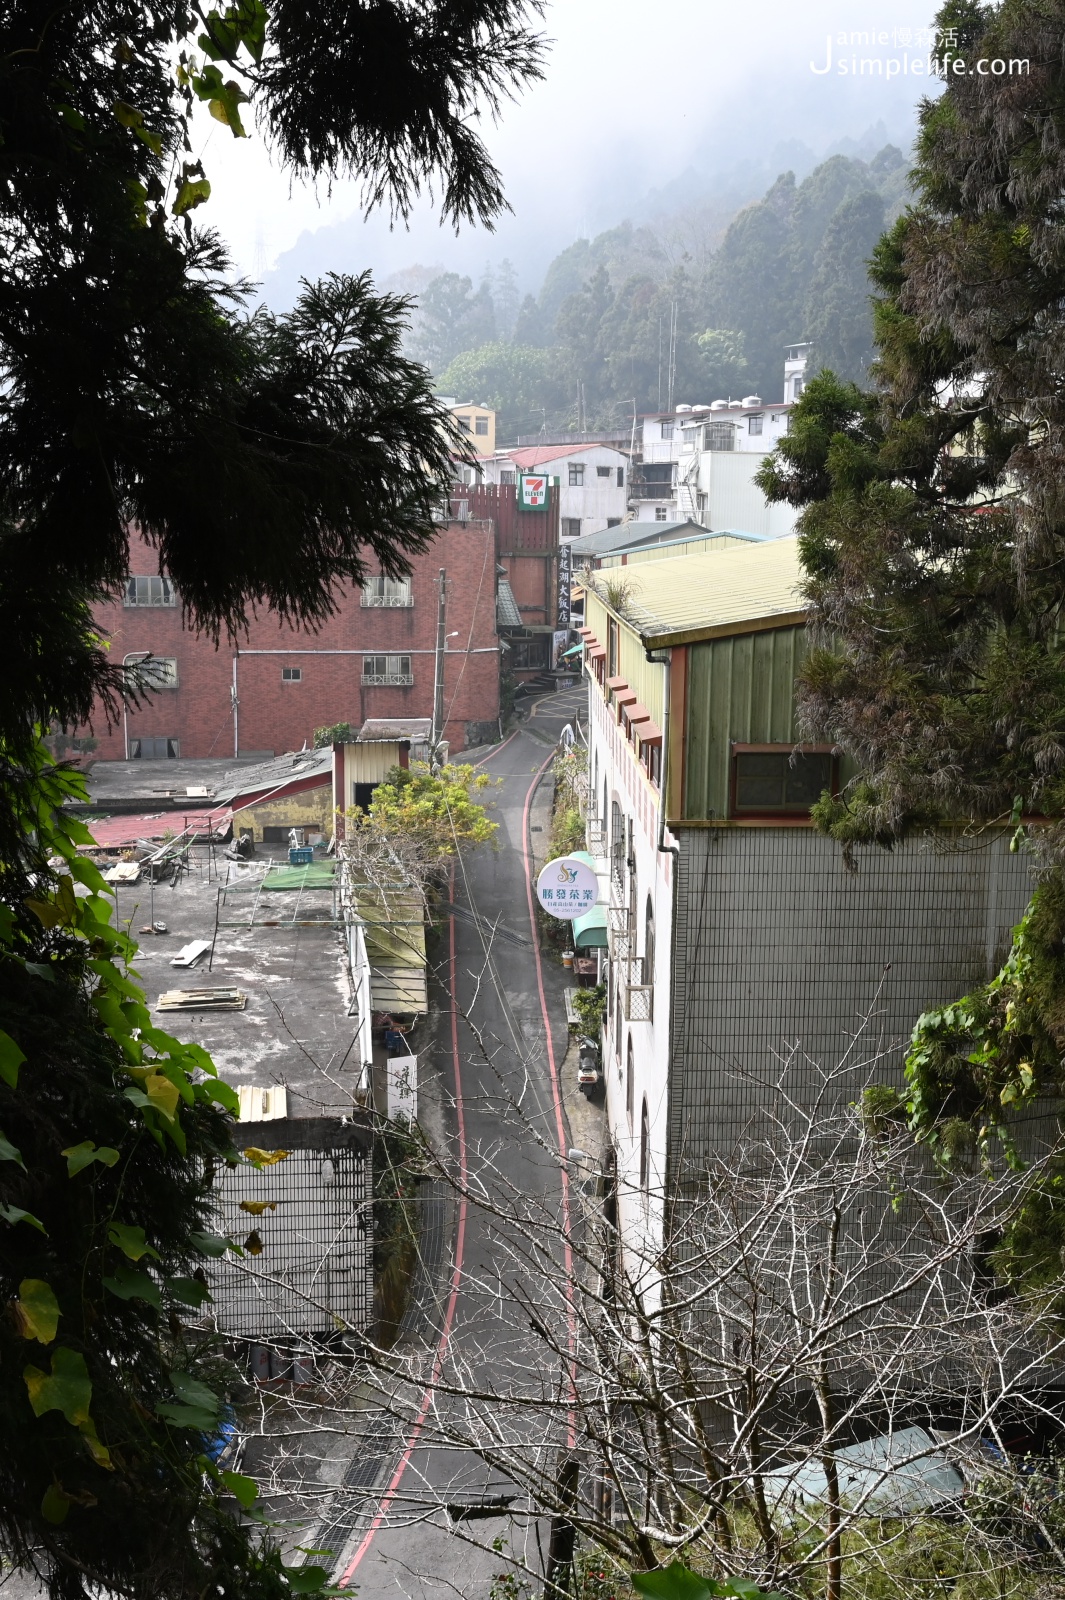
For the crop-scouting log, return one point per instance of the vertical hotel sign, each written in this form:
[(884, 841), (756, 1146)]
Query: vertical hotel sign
[(565, 582), (532, 491)]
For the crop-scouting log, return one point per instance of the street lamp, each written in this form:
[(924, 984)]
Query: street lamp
[(134, 655)]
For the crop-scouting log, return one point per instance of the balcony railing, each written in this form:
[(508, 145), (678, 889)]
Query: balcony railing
[(388, 680), (652, 491)]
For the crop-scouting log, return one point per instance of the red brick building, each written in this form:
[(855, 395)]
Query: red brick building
[(374, 658)]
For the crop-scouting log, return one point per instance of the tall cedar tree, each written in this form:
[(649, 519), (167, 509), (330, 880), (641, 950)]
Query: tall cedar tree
[(933, 535), (261, 456)]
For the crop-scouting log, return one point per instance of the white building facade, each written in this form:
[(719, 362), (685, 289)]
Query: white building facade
[(699, 461), (593, 481), (633, 850)]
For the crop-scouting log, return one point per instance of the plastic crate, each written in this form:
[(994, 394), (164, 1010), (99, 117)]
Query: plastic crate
[(300, 855)]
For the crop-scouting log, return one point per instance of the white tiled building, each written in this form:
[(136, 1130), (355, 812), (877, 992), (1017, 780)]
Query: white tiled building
[(699, 461), (593, 480)]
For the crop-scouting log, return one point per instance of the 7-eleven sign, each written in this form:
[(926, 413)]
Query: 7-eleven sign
[(532, 491)]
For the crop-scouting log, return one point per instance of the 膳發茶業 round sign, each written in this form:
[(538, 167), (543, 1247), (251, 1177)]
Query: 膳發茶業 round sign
[(567, 888)]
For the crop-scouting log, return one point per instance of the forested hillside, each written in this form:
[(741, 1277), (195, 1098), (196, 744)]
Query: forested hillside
[(596, 341)]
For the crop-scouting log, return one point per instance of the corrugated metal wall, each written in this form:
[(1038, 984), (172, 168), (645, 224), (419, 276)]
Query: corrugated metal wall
[(778, 949), (739, 689), (641, 675), (734, 500), (664, 552)]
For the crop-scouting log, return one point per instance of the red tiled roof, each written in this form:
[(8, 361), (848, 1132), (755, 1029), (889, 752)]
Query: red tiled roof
[(538, 455)]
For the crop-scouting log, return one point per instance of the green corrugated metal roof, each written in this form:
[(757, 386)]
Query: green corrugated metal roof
[(715, 592)]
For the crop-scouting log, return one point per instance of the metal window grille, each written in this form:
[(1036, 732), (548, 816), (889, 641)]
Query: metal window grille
[(390, 592), (387, 671), (638, 1001), (720, 436), (314, 1264), (151, 591)]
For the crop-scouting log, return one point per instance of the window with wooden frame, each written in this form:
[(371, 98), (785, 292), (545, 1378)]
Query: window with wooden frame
[(771, 780)]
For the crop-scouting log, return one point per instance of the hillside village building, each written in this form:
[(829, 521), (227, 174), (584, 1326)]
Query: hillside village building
[(592, 481), (736, 932), (375, 657), (699, 461), (476, 423)]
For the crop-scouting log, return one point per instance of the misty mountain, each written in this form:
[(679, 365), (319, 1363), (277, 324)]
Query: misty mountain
[(635, 319)]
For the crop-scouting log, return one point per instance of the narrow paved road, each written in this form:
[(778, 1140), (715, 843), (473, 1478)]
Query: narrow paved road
[(502, 1038)]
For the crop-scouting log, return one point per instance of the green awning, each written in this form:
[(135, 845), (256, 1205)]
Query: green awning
[(589, 931)]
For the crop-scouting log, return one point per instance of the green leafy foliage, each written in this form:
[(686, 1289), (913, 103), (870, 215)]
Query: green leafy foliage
[(589, 1004), (523, 384), (436, 811), (335, 733), (105, 1212), (932, 538), (678, 1582)]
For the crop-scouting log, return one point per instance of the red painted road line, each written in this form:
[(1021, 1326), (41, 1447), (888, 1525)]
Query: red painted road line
[(460, 1232), (493, 753), (456, 1278)]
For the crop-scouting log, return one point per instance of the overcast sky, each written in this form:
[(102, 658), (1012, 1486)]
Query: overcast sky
[(638, 95)]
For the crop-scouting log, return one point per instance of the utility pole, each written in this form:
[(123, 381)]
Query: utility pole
[(438, 679)]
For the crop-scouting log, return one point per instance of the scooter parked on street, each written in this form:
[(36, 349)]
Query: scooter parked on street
[(589, 1075)]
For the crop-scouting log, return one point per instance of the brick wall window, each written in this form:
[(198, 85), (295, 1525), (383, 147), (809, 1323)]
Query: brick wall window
[(387, 671), (160, 672), (154, 749), (291, 674), (381, 591), (149, 592), (774, 782)]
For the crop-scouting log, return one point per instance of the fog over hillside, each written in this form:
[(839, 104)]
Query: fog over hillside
[(676, 111)]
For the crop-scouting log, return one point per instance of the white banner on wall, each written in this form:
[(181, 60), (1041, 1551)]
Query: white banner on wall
[(403, 1088)]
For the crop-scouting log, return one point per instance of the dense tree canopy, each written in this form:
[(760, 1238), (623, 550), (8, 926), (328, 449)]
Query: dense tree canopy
[(933, 537), (260, 455), (615, 313), (135, 387)]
